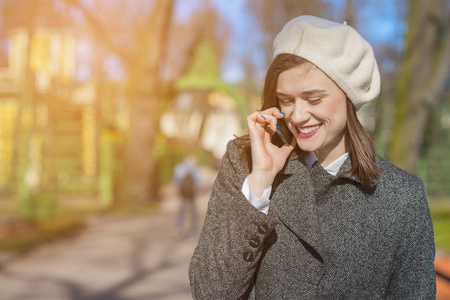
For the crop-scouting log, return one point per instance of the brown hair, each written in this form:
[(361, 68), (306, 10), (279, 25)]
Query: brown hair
[(361, 149), (361, 143)]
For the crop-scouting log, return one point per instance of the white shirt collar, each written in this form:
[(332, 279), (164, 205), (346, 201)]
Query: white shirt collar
[(332, 168)]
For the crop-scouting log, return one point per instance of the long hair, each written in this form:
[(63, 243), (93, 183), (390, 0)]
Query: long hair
[(361, 149), (361, 143)]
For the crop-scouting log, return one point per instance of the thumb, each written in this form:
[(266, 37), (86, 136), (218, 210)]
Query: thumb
[(287, 149)]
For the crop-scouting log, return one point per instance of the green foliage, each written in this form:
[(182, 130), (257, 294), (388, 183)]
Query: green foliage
[(203, 71), (38, 206), (440, 209), (440, 214), (442, 234), (434, 165), (25, 236), (203, 75)]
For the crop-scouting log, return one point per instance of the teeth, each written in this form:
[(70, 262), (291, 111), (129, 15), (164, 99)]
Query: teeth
[(308, 129)]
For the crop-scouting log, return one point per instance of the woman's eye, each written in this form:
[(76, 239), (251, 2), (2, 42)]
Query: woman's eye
[(285, 102), (314, 100)]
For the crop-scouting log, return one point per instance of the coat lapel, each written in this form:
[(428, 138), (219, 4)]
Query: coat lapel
[(294, 202)]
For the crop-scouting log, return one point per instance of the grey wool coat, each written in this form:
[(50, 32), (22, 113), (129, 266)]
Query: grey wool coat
[(325, 237)]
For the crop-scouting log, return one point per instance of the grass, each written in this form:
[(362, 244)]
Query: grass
[(22, 236), (440, 214), (442, 234)]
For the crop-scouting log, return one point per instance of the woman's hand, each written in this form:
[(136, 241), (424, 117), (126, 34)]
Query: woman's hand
[(267, 158)]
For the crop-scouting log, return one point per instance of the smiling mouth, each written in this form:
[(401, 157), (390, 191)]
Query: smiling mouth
[(306, 130)]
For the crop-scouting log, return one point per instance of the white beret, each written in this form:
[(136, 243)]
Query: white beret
[(338, 50)]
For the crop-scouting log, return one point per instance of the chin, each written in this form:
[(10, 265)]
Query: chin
[(307, 148), (307, 145)]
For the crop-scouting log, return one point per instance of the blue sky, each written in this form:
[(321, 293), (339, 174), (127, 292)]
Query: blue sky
[(379, 21)]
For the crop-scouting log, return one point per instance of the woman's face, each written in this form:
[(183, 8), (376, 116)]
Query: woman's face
[(315, 111)]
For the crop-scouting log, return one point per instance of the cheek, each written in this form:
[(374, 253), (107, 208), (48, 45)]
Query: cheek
[(341, 114), (287, 111), (292, 129), (337, 112), (339, 119)]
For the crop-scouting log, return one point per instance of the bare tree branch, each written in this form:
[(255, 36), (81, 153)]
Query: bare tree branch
[(101, 32)]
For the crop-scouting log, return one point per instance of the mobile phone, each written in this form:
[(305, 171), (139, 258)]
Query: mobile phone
[(282, 137)]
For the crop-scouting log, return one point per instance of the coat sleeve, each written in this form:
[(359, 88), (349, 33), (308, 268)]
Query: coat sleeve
[(231, 243), (414, 275)]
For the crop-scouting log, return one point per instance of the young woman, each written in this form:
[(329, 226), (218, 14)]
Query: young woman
[(323, 217)]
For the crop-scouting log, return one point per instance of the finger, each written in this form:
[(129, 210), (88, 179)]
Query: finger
[(254, 119), (268, 135), (271, 121), (291, 146), (287, 149), (274, 111), (279, 154), (256, 126)]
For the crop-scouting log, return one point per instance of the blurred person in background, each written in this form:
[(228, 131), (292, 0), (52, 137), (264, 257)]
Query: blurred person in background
[(320, 215), (187, 179)]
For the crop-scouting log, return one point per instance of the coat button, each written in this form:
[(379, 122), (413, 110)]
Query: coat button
[(248, 256), (263, 229), (255, 242)]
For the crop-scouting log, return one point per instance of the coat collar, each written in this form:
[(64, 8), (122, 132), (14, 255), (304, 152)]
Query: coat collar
[(344, 171), (294, 201), (294, 193)]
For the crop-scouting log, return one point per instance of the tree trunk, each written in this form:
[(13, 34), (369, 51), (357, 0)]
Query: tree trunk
[(145, 93), (349, 13), (421, 79)]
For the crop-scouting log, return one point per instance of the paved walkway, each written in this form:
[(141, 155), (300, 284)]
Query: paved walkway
[(117, 257)]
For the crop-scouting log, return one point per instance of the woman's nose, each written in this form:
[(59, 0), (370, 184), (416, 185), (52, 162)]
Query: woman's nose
[(301, 112)]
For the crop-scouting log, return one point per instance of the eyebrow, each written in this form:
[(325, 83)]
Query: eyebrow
[(305, 93)]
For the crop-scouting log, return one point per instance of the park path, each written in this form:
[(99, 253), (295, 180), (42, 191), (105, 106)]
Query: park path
[(115, 258)]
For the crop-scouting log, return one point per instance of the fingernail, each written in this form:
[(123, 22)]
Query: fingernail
[(276, 126), (281, 113), (263, 117)]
